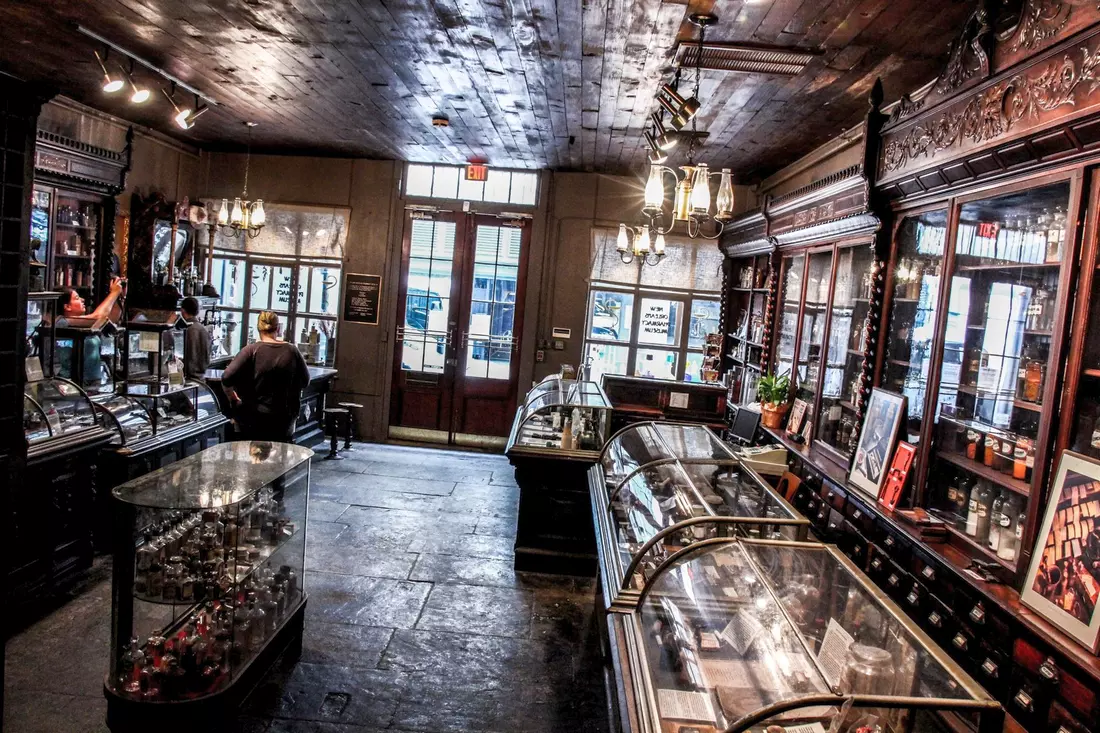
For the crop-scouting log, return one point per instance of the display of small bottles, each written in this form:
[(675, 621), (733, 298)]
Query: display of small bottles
[(199, 556), (84, 217), (1004, 451), (1031, 373), (745, 278), (199, 655)]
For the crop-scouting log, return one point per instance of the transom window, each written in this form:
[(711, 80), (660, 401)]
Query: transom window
[(449, 182)]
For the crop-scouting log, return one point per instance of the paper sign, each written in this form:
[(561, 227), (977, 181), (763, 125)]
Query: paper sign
[(148, 341), (34, 369), (683, 705), (655, 320), (834, 651), (741, 631), (679, 400)]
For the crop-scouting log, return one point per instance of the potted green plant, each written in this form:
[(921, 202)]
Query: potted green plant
[(773, 393)]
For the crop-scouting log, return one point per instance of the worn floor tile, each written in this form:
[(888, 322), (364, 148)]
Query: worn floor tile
[(467, 545), (353, 599), (330, 693), (432, 471), (51, 712), (379, 560), (351, 645), (321, 510), (376, 497), (500, 526), (475, 609)]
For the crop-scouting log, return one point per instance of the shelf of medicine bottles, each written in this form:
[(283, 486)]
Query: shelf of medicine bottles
[(1005, 266), (976, 546), (987, 472), (750, 365), (80, 227), (241, 576)]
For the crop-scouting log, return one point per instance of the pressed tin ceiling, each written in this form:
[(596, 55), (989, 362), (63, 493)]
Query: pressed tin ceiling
[(560, 84)]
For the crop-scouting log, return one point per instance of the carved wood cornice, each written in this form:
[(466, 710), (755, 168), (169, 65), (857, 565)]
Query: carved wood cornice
[(746, 235), (1060, 84), (853, 225), (65, 161)]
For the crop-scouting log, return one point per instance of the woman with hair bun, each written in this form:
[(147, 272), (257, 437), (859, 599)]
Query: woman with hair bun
[(265, 381)]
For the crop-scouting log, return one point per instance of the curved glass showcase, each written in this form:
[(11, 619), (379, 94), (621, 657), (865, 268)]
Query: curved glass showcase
[(680, 485), (128, 417), (88, 356), (150, 410), (562, 418), (54, 408), (733, 635), (210, 570)]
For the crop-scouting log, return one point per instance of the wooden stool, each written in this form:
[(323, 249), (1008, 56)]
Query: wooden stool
[(332, 415), (349, 406)]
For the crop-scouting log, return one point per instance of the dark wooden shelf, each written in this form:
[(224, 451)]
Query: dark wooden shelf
[(974, 545), (855, 352), (72, 257), (906, 300), (740, 290), (1006, 266), (848, 406), (78, 227), (1038, 333), (754, 367), (759, 290), (980, 469), (899, 362), (753, 344)]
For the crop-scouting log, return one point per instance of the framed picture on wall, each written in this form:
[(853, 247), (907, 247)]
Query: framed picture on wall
[(885, 413), (1063, 581)]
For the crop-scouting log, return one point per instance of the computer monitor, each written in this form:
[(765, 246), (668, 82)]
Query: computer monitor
[(745, 423)]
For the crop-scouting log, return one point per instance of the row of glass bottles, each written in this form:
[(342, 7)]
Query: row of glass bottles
[(1024, 239), (994, 519), (199, 555), (219, 636)]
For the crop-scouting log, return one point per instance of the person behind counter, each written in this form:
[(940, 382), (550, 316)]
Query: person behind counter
[(196, 342), (72, 305), (72, 311), (265, 382)]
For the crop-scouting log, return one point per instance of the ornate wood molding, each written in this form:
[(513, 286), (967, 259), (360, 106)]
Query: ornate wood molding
[(65, 161), (1061, 83), (746, 235)]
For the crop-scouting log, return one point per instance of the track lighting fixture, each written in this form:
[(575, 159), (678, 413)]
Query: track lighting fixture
[(656, 155), (111, 84), (185, 117), (681, 110)]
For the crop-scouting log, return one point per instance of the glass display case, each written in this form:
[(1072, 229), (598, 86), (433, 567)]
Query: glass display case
[(660, 487), (153, 348), (56, 411), (914, 304), (562, 417), (88, 355), (208, 578), (746, 301), (815, 314), (1009, 256), (41, 315), (65, 231), (792, 270), (166, 409), (846, 344), (733, 635)]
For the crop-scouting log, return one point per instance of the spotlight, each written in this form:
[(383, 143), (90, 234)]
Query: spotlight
[(138, 95), (185, 117), (110, 84), (665, 141), (678, 107), (656, 155)]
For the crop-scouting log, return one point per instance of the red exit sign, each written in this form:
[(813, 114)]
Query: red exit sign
[(477, 172), (988, 229)]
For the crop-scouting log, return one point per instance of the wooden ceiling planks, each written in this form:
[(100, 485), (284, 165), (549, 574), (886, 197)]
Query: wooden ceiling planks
[(564, 84)]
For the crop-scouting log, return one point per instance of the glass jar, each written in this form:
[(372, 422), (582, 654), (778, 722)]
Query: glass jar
[(868, 670)]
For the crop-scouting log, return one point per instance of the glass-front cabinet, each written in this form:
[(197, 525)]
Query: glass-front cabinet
[(791, 272), (88, 355), (747, 299), (1009, 253), (979, 358), (561, 418), (153, 352), (660, 487), (65, 231), (736, 635), (914, 303), (208, 573)]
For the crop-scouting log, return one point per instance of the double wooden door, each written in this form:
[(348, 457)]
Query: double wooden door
[(460, 315)]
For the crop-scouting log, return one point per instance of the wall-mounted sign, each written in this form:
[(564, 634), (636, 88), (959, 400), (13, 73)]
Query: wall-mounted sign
[(362, 296), (476, 172)]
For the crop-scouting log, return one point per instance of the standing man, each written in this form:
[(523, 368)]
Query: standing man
[(196, 342)]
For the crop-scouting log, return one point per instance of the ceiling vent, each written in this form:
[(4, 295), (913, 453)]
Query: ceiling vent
[(751, 59)]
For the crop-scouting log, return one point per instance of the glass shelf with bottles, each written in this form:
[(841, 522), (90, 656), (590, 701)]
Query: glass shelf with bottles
[(998, 332), (209, 572), (792, 270), (814, 318), (847, 343)]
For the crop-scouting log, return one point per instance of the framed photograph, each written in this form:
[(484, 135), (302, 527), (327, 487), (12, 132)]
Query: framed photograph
[(798, 413), (1063, 580), (898, 474), (884, 416)]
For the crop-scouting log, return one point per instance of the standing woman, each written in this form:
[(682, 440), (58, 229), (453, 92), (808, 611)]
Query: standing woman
[(265, 381)]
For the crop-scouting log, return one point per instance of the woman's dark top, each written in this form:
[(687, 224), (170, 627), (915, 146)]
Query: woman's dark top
[(269, 378)]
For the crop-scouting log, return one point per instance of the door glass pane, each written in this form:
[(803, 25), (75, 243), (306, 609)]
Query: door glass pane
[(705, 315), (1009, 253), (813, 325), (660, 322), (655, 364), (791, 295), (844, 356), (611, 316), (427, 295), (489, 344), (916, 294), (607, 359)]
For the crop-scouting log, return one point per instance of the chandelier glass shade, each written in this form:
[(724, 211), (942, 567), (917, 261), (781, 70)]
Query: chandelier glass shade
[(692, 202), (639, 243), (246, 216)]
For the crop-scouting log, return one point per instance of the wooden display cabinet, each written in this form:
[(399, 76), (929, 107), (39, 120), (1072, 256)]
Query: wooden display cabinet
[(747, 299), (977, 302)]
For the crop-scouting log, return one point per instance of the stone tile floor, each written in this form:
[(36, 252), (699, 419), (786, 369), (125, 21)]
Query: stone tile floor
[(416, 620)]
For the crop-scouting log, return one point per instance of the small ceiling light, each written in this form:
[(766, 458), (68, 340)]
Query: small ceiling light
[(110, 84), (665, 140), (682, 110), (138, 95), (440, 121)]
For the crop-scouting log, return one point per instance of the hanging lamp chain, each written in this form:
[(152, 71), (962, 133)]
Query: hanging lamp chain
[(698, 76), (247, 161)]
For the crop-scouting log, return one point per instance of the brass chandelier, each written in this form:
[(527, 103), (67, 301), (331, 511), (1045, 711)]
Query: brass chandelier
[(246, 216)]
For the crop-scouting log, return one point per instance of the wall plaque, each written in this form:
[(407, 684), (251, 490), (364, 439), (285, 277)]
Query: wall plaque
[(362, 296)]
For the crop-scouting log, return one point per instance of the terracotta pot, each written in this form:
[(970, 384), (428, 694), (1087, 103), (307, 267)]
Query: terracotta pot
[(771, 414)]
